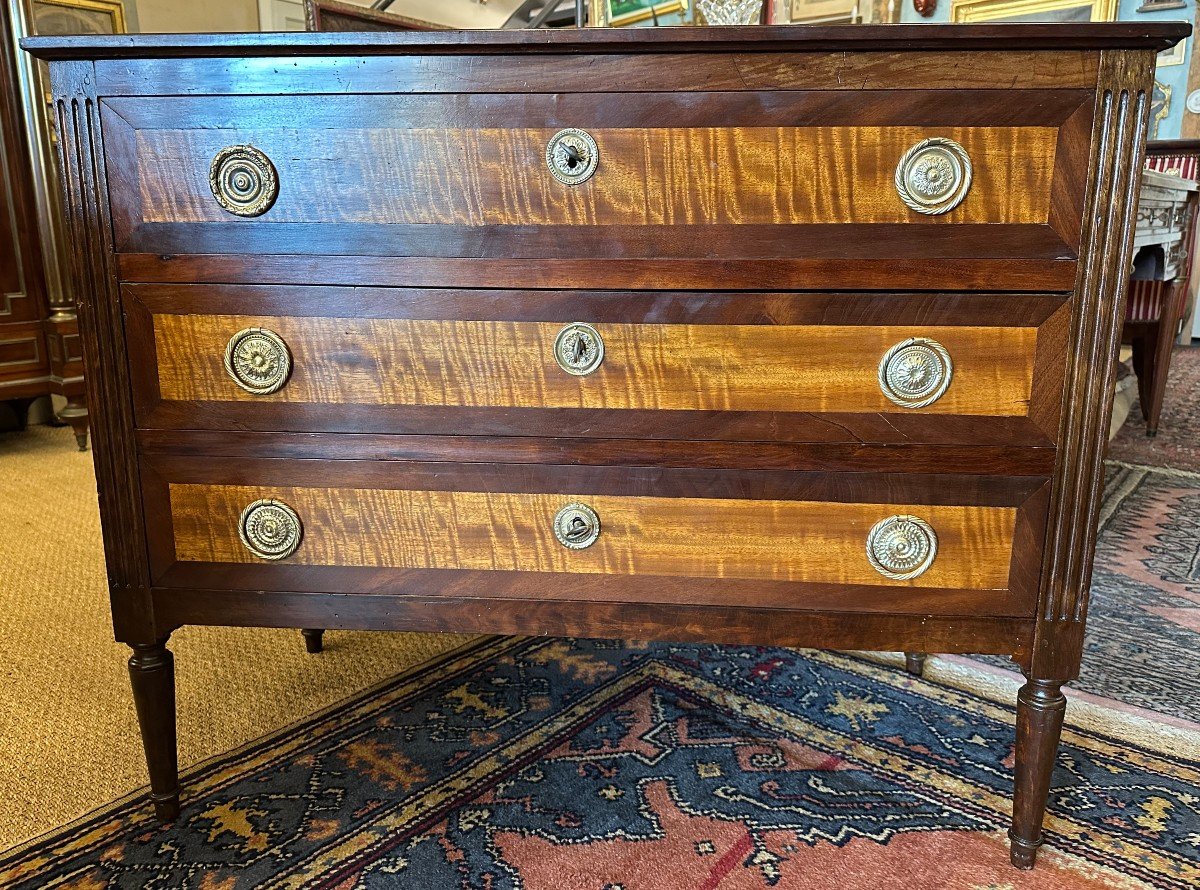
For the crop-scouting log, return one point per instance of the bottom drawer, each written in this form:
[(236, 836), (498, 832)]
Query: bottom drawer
[(778, 539)]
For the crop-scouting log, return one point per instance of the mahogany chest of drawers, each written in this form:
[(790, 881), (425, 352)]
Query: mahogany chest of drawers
[(798, 336)]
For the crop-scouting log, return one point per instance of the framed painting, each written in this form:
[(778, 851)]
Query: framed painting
[(1069, 11), (78, 17), (619, 13), (827, 11), (1176, 55)]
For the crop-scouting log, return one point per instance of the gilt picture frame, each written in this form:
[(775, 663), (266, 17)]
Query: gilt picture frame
[(825, 11), (78, 16), (1067, 11), (621, 13)]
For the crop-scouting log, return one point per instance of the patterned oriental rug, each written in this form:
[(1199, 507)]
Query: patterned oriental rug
[(559, 764), (1143, 634)]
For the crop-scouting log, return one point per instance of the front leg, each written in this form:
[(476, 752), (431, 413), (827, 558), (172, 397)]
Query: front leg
[(914, 663), (1040, 709), (152, 675)]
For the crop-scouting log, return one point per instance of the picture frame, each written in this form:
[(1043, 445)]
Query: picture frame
[(622, 13), (825, 11), (1068, 11), (78, 16), (1160, 106), (1176, 55)]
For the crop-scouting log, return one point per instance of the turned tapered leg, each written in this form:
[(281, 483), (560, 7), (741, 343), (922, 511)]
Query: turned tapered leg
[(914, 663), (1040, 709), (152, 674), (313, 640)]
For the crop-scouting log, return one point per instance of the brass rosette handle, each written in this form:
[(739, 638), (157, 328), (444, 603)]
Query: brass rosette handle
[(915, 372), (258, 360), (934, 176), (270, 529), (243, 180), (579, 349), (901, 547), (577, 526)]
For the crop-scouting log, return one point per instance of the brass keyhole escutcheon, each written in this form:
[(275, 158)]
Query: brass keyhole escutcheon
[(577, 526), (572, 156), (579, 349)]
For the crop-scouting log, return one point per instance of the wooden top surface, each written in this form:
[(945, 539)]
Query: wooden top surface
[(755, 38)]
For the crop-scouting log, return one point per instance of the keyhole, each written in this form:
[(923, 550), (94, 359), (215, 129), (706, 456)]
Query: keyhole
[(574, 156)]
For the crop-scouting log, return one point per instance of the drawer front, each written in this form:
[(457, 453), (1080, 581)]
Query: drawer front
[(679, 179), (792, 367), (783, 539)]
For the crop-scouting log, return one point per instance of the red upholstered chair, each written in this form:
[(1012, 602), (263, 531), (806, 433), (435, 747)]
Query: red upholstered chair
[(1155, 306)]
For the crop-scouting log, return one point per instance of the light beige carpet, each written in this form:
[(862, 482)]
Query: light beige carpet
[(68, 735)]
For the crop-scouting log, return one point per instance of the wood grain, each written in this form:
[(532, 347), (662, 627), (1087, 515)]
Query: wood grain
[(801, 541), (464, 613), (561, 72), (947, 459), (1119, 137), (646, 367), (683, 175), (885, 269)]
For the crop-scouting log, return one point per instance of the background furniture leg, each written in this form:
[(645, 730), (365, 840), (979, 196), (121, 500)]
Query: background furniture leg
[(1040, 709), (75, 413), (313, 640), (1165, 336), (152, 675), (20, 408), (1143, 364), (914, 663)]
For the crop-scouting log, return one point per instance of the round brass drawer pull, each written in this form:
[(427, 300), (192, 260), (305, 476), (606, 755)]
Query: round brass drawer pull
[(915, 372), (243, 180), (901, 547), (572, 156), (934, 176), (577, 526), (258, 361), (270, 529), (579, 349)]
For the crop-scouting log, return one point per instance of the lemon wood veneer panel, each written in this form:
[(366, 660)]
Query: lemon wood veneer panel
[(801, 541), (646, 366), (732, 175)]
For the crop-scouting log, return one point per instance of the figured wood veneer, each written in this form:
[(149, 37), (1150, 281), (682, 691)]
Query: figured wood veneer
[(802, 541), (733, 175), (646, 366)]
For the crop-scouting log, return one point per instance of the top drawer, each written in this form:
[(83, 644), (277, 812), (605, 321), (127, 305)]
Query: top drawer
[(741, 189)]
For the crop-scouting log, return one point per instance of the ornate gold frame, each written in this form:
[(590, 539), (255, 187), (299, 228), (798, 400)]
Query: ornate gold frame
[(599, 13), (992, 10)]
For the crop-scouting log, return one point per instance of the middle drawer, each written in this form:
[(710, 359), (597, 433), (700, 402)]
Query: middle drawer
[(814, 367)]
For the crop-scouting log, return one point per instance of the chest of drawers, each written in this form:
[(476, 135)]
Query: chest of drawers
[(797, 336)]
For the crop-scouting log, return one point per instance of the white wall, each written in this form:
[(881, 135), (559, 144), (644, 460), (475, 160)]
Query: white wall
[(181, 16)]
